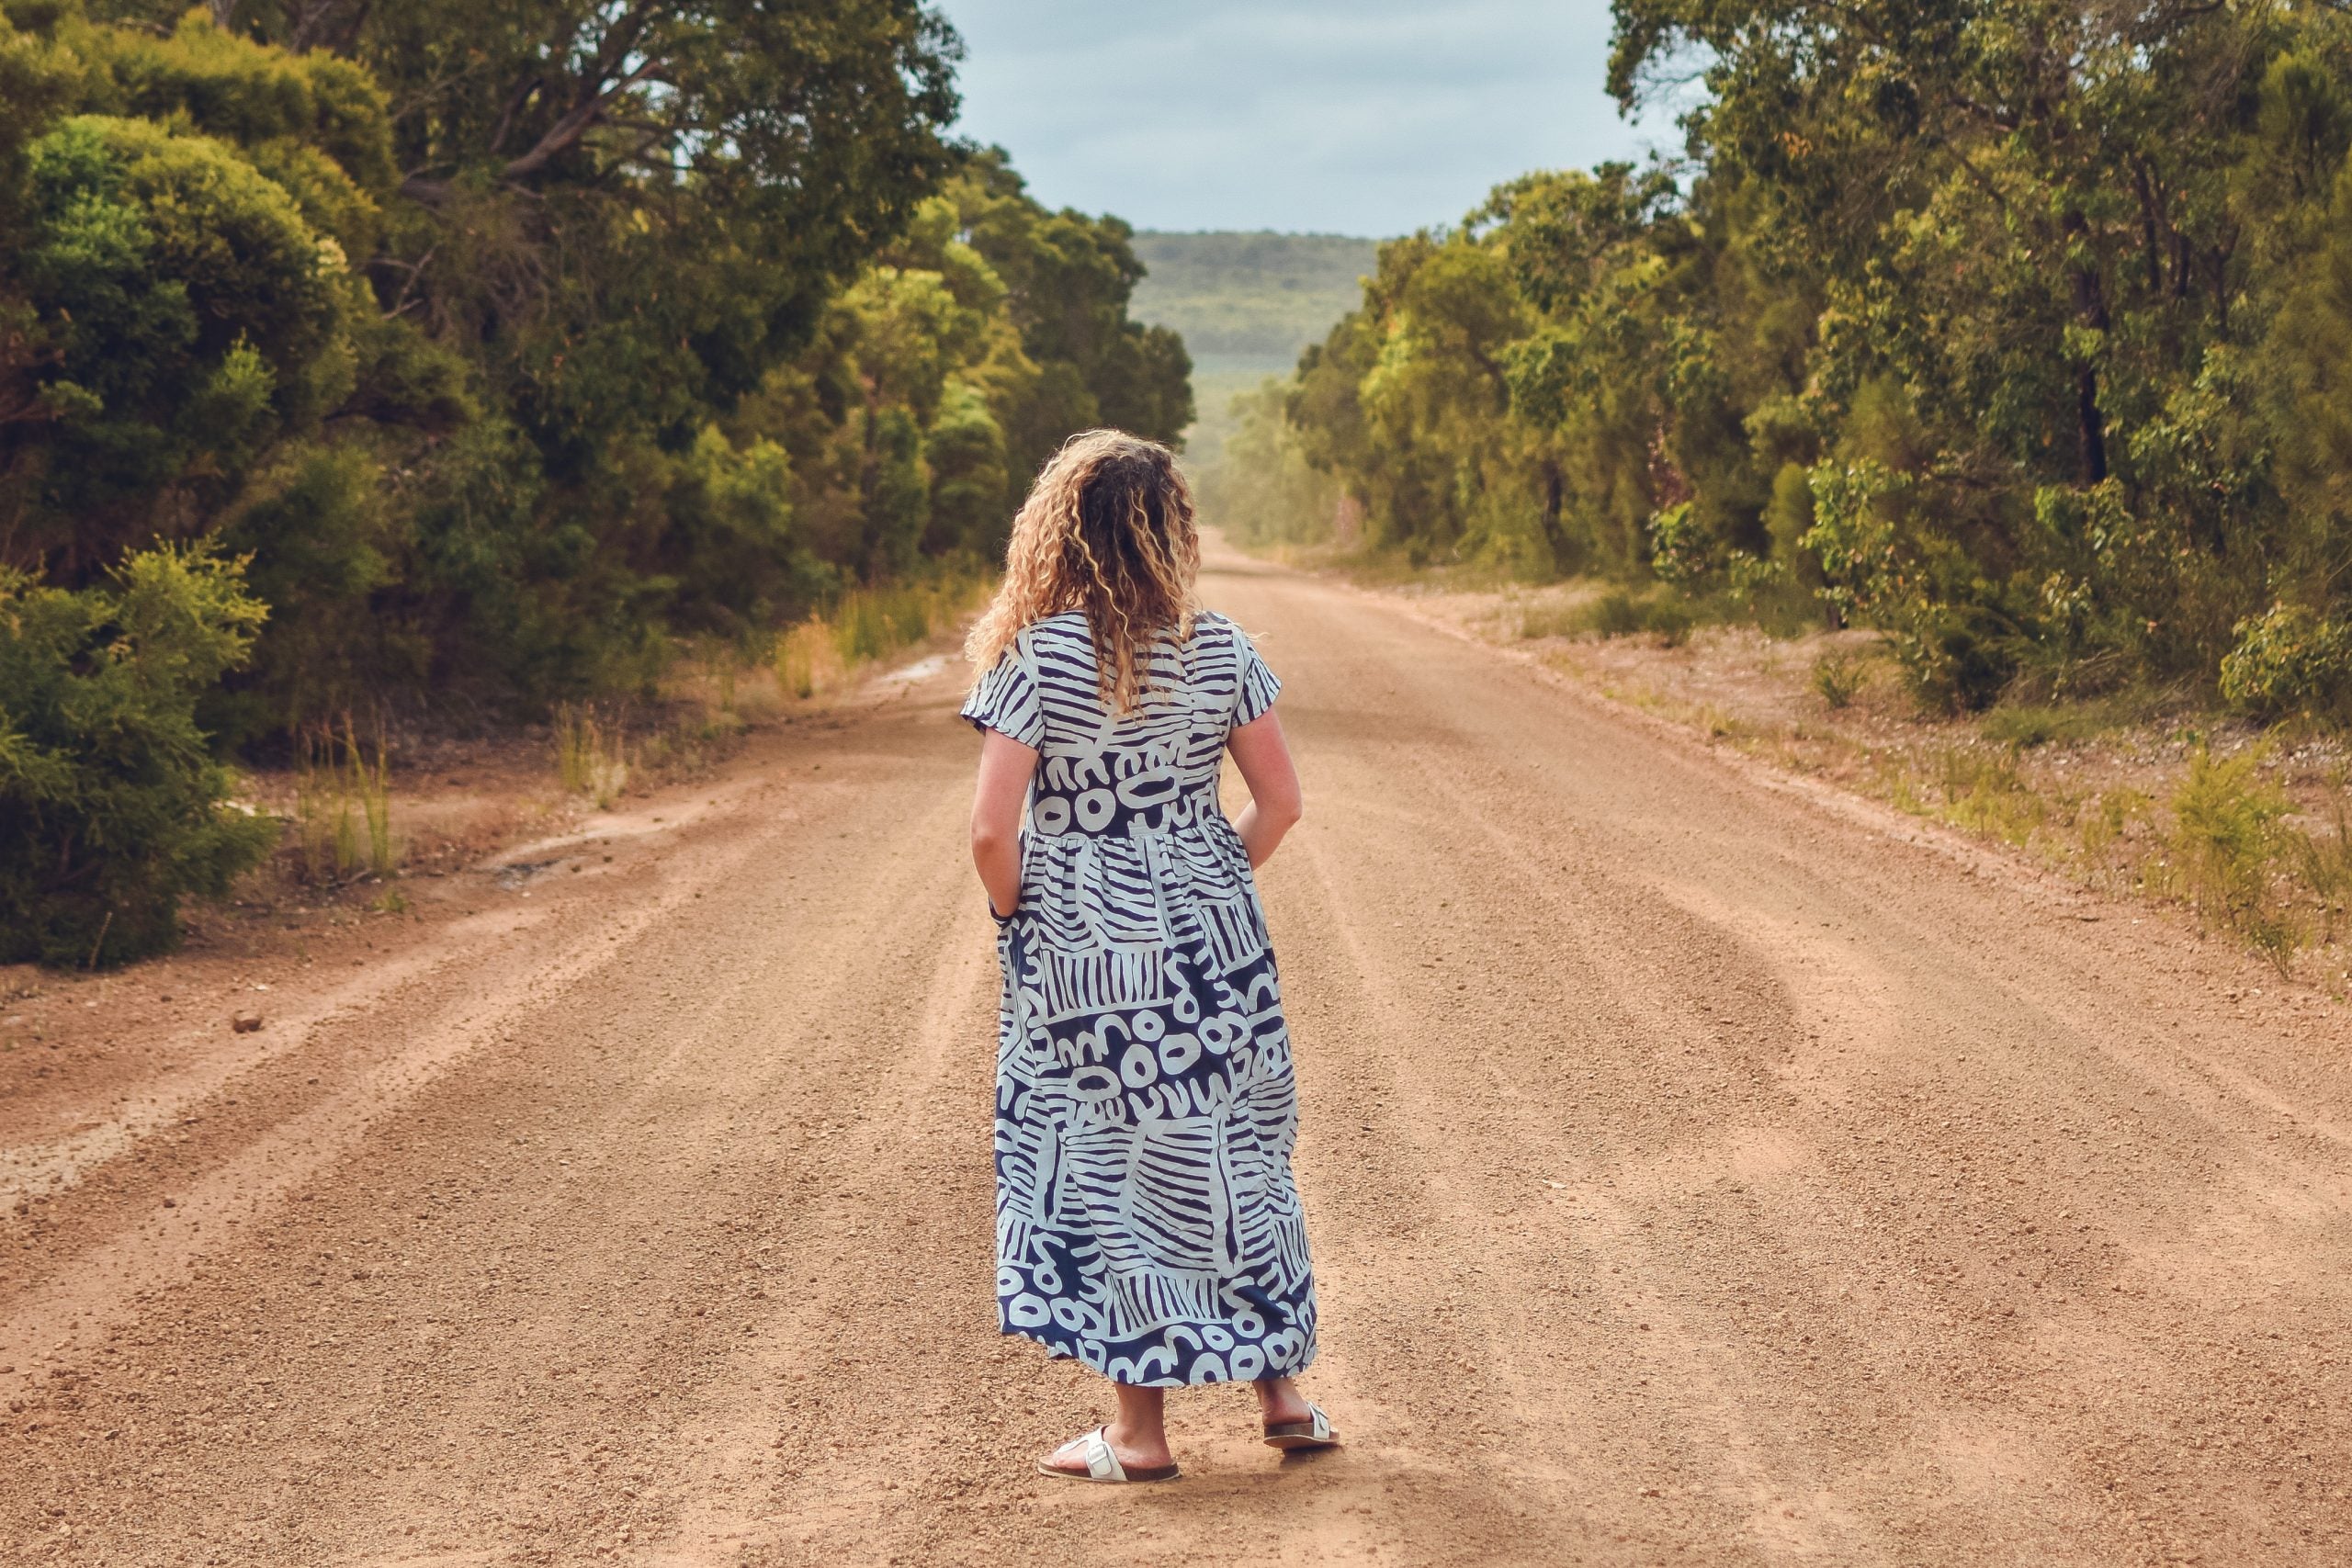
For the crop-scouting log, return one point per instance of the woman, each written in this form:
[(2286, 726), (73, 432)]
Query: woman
[(1147, 1222)]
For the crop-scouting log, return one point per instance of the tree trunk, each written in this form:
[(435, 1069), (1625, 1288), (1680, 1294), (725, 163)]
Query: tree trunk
[(2149, 226), (2090, 309), (2092, 424), (1555, 533)]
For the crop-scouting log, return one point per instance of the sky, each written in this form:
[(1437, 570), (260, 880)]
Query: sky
[(1353, 117)]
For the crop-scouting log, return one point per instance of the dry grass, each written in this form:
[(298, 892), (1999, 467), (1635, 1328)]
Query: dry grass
[(831, 647), (2140, 793), (590, 753), (2253, 846), (342, 826), (351, 825), (710, 699)]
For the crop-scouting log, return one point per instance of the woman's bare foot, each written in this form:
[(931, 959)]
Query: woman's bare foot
[(1137, 1435), (1135, 1452)]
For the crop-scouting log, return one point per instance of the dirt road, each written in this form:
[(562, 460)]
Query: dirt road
[(1698, 1172)]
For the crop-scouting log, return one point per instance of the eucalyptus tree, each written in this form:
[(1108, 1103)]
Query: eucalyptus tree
[(2013, 327), (2050, 241)]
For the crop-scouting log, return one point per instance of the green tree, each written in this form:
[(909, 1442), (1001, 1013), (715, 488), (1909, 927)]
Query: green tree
[(113, 805), (2011, 327), (505, 347)]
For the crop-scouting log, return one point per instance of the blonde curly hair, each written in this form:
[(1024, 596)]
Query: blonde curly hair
[(1107, 529)]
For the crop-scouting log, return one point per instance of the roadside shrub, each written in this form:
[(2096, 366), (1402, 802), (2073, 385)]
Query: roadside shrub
[(2288, 661), (2227, 837), (2327, 864), (1619, 613), (1671, 620), (1771, 593), (1681, 549), (1987, 794), (1614, 614), (1953, 660), (112, 807), (1839, 677), (1537, 620)]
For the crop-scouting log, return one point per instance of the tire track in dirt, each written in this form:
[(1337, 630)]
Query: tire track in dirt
[(1923, 937), (42, 1326)]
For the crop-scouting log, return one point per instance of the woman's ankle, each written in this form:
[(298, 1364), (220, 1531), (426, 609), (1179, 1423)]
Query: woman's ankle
[(1140, 1423), (1279, 1398)]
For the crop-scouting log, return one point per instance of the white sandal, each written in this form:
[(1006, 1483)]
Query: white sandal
[(1104, 1466), (1314, 1432)]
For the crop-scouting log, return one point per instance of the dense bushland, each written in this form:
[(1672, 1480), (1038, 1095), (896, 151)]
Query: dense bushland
[(462, 359), (2016, 329)]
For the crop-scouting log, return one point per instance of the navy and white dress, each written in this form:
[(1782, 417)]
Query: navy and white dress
[(1146, 1222)]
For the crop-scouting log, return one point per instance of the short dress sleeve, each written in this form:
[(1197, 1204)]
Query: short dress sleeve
[(1258, 685), (1005, 698)]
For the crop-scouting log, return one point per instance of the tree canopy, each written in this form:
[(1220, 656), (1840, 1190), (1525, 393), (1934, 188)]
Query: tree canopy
[(2011, 327), (488, 349)]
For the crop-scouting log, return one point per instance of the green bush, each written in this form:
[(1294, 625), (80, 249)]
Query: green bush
[(1839, 676), (2227, 835), (193, 312), (2288, 661), (1681, 551), (112, 807), (1953, 660), (1616, 613), (1671, 620), (1620, 613)]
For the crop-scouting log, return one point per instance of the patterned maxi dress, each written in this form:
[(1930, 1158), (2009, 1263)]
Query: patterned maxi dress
[(1146, 1222)]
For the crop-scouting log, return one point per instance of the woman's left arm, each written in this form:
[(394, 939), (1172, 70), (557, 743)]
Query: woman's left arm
[(1006, 766)]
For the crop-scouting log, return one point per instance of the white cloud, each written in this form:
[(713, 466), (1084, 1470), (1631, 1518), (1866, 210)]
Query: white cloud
[(1365, 116)]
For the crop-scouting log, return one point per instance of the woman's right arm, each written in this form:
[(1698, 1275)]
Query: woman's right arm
[(1263, 757), (1005, 767)]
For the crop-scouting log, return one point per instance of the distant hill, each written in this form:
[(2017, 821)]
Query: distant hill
[(1248, 301), (1245, 303)]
